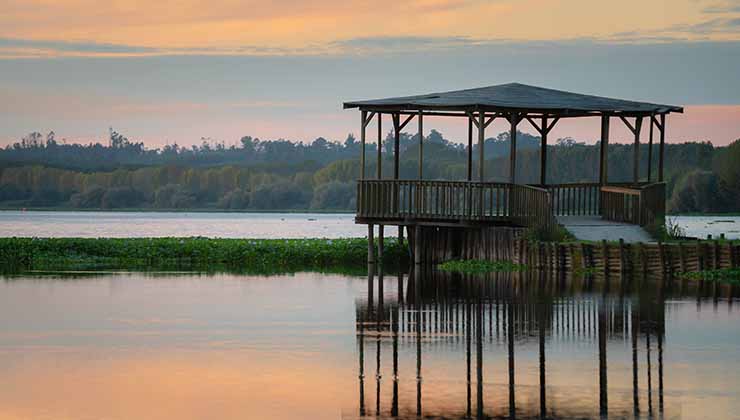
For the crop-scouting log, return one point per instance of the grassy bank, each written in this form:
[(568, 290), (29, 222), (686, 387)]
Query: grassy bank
[(244, 255)]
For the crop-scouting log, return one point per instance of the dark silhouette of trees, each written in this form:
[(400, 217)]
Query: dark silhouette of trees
[(42, 171)]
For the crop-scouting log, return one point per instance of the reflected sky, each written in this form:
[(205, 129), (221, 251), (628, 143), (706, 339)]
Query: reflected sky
[(191, 346)]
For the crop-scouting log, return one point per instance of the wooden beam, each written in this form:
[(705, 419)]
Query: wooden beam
[(379, 168), (408, 119), (421, 146), (490, 120), (627, 123), (636, 167), (604, 151), (461, 113), (481, 148), (368, 119), (363, 125), (543, 152), (514, 120), (470, 148), (396, 145), (534, 124), (552, 124), (650, 150), (662, 148), (472, 116)]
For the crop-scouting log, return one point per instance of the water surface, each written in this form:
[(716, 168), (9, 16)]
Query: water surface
[(189, 346), (96, 224)]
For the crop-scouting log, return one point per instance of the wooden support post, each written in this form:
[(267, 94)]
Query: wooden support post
[(662, 148), (603, 378), (370, 245), (396, 145), (636, 151), (379, 168), (417, 246), (363, 118), (513, 119), (605, 257), (510, 337), (380, 244), (543, 152), (541, 336), (682, 257), (481, 148), (396, 161), (470, 148), (604, 151), (421, 146), (650, 149)]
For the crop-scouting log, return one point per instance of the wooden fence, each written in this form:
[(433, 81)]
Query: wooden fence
[(441, 244)]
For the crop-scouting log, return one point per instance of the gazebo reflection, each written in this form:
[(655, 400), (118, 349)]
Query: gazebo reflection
[(432, 311)]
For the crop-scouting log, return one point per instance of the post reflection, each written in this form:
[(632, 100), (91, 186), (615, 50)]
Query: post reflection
[(437, 324)]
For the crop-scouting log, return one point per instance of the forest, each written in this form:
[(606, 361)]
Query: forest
[(260, 175)]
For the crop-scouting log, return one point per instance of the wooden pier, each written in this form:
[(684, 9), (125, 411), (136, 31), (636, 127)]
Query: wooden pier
[(482, 203)]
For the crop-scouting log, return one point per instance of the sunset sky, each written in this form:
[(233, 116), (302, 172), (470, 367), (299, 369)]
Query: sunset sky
[(165, 72)]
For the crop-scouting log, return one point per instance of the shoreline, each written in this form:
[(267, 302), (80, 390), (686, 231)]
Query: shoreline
[(194, 210), (253, 211)]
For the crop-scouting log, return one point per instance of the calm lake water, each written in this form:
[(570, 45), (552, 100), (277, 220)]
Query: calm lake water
[(242, 225), (160, 224), (189, 346)]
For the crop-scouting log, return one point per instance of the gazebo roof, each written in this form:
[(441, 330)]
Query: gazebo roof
[(514, 97)]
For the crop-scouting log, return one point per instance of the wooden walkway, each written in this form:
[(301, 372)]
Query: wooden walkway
[(595, 228)]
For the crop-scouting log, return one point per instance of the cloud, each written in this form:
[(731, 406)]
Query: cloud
[(712, 26), (723, 8), (401, 43), (31, 47)]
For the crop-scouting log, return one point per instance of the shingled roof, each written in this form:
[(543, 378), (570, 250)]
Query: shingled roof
[(514, 97)]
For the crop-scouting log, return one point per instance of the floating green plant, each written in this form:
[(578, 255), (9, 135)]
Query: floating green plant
[(720, 275), (480, 266), (201, 254)]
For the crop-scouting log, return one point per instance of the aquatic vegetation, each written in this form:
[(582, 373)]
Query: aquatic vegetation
[(720, 275), (202, 254), (480, 266)]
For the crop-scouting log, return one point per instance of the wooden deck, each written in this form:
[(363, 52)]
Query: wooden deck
[(444, 203)]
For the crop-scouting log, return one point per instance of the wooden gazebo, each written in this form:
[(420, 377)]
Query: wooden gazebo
[(476, 202)]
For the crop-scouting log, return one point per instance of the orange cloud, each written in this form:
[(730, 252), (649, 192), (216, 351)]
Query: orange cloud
[(300, 25)]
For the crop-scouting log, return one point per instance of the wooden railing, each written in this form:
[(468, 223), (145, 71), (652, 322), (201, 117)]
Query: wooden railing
[(524, 205), (641, 205), (454, 201), (575, 199), (400, 199), (532, 206)]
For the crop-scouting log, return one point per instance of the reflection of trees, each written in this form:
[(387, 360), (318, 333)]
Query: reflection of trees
[(468, 312)]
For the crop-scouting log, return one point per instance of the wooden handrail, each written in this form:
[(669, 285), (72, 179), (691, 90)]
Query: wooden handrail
[(621, 190), (642, 204), (454, 201), (526, 205)]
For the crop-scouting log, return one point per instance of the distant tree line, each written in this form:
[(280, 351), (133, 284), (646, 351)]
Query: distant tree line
[(39, 171)]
